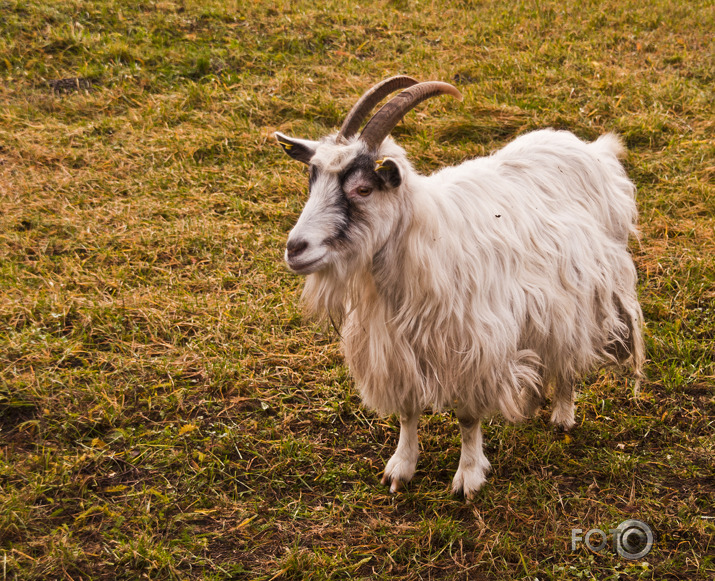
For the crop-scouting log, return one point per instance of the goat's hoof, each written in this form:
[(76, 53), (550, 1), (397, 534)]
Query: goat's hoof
[(468, 482), (396, 485), (562, 417), (398, 472), (468, 495), (563, 427)]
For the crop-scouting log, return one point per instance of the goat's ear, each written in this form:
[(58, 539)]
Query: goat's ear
[(388, 172), (300, 149)]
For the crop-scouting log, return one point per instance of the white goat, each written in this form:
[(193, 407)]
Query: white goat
[(476, 288)]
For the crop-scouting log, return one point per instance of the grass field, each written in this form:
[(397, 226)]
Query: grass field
[(166, 412)]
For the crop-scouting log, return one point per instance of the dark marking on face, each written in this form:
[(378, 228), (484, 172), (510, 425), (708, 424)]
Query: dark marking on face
[(364, 165), (352, 215), (351, 211)]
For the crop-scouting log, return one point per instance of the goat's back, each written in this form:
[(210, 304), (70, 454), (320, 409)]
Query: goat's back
[(565, 170)]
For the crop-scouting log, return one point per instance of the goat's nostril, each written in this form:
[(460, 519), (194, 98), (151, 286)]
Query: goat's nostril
[(296, 247)]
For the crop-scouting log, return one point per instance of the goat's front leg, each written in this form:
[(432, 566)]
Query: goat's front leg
[(473, 464), (401, 467)]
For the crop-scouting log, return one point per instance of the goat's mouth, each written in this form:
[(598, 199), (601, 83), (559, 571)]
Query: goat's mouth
[(305, 266)]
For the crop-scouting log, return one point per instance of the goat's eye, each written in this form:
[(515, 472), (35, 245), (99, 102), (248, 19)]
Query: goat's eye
[(364, 190)]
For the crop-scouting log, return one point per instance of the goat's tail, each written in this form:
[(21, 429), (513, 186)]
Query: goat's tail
[(611, 143)]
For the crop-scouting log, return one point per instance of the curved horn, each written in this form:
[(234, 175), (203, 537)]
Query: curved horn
[(389, 115), (367, 103)]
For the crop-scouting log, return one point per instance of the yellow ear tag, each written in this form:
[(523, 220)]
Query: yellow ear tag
[(286, 145), (379, 164)]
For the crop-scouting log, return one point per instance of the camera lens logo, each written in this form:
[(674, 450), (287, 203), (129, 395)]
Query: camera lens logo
[(633, 539)]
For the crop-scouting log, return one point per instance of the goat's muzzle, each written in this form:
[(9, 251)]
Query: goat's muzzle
[(299, 259), (295, 248)]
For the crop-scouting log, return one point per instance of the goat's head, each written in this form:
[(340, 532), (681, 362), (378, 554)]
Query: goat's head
[(355, 181)]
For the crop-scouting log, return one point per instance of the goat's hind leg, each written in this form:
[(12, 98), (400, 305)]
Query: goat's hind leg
[(626, 343), (473, 464), (562, 414), (530, 402), (401, 467)]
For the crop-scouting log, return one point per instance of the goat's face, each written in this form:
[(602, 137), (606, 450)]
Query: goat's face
[(354, 203), (355, 182)]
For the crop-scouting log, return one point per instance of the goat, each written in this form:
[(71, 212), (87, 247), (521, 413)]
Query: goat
[(484, 287)]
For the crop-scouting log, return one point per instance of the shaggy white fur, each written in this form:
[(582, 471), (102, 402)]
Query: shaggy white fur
[(477, 288)]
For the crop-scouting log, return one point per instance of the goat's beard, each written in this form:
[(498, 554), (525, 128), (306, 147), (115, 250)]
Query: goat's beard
[(330, 294)]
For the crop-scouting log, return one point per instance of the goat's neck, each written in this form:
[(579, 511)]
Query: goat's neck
[(395, 265)]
